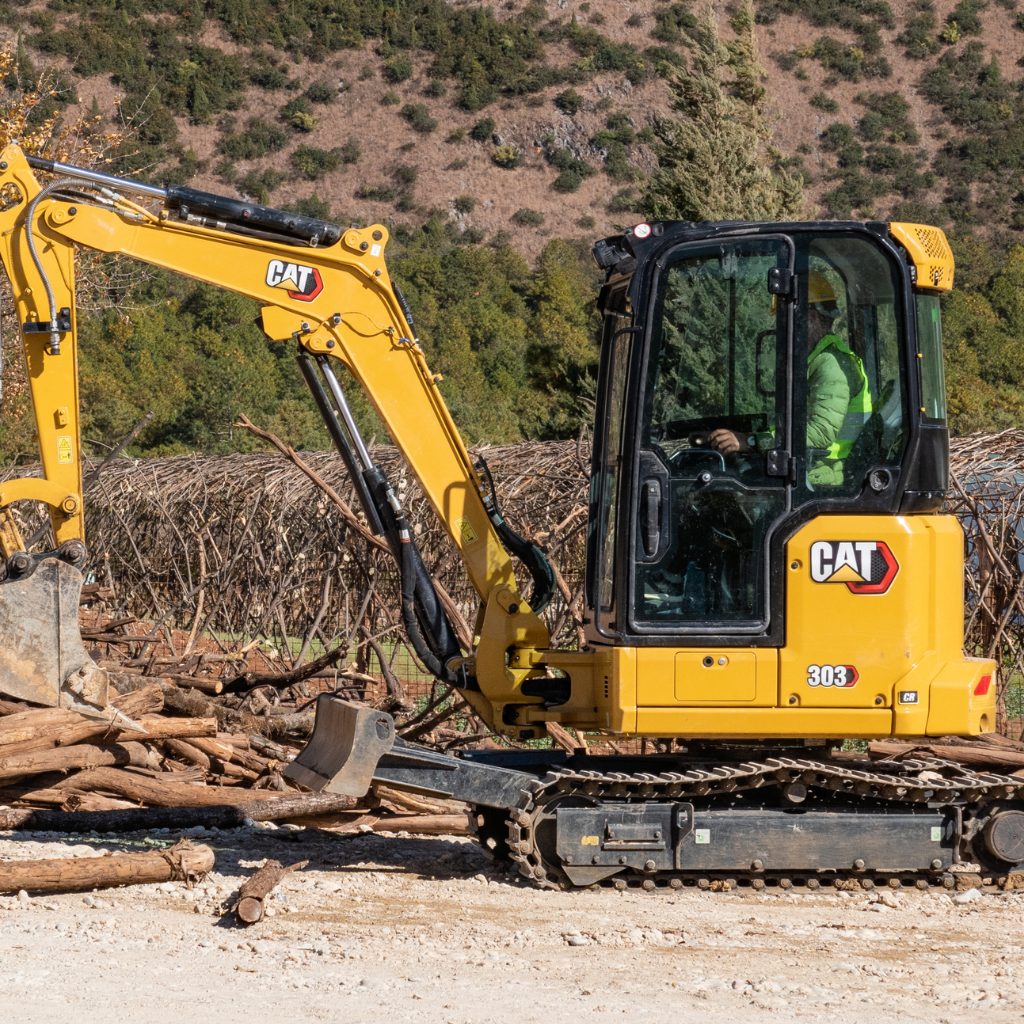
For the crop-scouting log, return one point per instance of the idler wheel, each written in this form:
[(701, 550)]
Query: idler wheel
[(1004, 836)]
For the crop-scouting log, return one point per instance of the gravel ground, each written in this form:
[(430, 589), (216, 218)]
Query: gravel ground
[(400, 928)]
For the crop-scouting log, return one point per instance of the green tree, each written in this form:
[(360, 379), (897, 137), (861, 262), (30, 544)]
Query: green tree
[(562, 353), (715, 158), (471, 316), (195, 360), (984, 337)]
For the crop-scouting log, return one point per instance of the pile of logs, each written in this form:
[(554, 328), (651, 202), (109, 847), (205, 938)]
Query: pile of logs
[(200, 740), (212, 732)]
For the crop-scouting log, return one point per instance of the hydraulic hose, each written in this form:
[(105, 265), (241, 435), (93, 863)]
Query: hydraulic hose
[(530, 554), (426, 624)]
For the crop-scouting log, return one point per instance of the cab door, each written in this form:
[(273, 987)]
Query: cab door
[(712, 455)]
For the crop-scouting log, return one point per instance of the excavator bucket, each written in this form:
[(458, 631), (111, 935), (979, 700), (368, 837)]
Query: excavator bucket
[(347, 744), (42, 656)]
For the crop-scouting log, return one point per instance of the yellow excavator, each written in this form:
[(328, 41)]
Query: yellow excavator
[(769, 573)]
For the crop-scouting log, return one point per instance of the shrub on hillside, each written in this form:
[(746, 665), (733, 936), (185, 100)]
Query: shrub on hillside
[(320, 91), (313, 163), (526, 218), (920, 35), (259, 185), (259, 138), (417, 116), (507, 156), (569, 102), (312, 206), (672, 22), (397, 69), (349, 152), (482, 130)]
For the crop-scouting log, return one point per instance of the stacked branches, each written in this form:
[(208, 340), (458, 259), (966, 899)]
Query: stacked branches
[(987, 495), (244, 547), (247, 546)]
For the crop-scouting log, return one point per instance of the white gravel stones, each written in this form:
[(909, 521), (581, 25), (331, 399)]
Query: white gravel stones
[(967, 897)]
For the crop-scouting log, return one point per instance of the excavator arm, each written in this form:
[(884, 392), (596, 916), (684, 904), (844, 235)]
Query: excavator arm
[(324, 288)]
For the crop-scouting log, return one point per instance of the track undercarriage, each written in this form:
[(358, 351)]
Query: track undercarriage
[(785, 822), (710, 819)]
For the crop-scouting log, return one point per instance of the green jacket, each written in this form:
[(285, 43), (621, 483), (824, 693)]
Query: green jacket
[(838, 405)]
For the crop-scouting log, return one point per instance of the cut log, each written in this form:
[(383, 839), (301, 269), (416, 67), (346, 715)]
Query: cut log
[(190, 702), (161, 792), (182, 863), (268, 748), (228, 770), (84, 755), (188, 752), (283, 808), (204, 684), (976, 754), (295, 725), (155, 727), (33, 723), (416, 803), (563, 737), (144, 701), (254, 891), (419, 824), (158, 728)]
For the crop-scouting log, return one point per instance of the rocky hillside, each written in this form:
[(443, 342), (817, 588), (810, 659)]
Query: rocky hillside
[(534, 118)]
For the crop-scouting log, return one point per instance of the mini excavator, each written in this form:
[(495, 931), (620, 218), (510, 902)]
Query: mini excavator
[(751, 605)]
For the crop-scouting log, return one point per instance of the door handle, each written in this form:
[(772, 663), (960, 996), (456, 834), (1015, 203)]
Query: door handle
[(650, 517)]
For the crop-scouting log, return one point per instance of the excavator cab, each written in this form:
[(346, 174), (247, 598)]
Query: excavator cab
[(753, 377)]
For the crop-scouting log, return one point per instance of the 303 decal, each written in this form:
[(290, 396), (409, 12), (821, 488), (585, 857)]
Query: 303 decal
[(841, 676)]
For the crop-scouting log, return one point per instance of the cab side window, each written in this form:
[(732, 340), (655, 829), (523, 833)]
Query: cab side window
[(847, 337)]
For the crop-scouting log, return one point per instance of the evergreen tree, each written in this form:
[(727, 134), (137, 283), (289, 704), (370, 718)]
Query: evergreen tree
[(562, 352), (983, 328), (715, 159)]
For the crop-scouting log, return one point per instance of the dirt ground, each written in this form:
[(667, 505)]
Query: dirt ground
[(397, 928)]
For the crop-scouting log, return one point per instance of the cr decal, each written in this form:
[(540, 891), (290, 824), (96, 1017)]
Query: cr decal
[(299, 281), (865, 566), (841, 676)]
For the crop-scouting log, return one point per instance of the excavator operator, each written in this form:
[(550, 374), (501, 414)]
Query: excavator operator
[(838, 396)]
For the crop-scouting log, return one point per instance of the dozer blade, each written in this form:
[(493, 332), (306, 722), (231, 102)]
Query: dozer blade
[(42, 657), (347, 744)]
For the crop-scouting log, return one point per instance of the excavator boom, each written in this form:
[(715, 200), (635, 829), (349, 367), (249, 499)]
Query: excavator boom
[(327, 291)]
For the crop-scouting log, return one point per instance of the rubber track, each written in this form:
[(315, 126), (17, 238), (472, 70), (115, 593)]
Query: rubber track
[(907, 782)]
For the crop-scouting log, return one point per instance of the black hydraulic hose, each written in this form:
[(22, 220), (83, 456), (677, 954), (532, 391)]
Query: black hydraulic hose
[(426, 624), (530, 554), (406, 310)]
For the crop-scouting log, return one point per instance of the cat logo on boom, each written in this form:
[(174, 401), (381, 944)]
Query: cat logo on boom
[(865, 566), (300, 282)]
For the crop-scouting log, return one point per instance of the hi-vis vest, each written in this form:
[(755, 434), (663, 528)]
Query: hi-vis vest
[(859, 410)]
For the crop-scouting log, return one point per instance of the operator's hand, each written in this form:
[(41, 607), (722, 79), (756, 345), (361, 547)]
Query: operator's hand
[(727, 442)]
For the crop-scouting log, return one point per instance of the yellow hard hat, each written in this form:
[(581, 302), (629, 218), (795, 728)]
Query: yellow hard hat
[(819, 288), (821, 296)]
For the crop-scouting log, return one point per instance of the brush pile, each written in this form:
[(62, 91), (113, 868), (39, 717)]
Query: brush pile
[(203, 736), (269, 548)]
